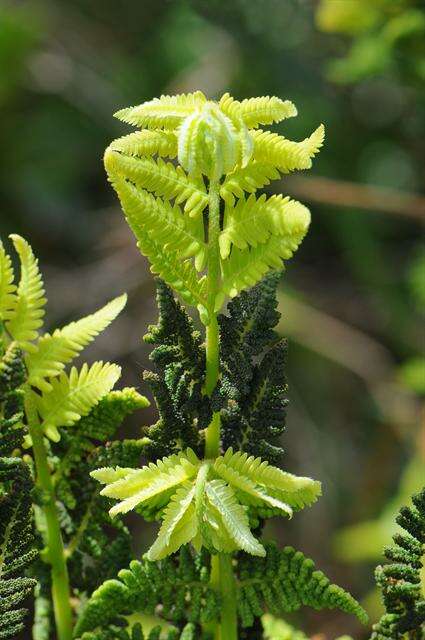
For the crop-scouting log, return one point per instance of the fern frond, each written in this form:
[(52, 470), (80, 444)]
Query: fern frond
[(162, 178), (136, 486), (297, 492), (17, 550), (12, 377), (147, 143), (244, 268), (178, 588), (256, 111), (253, 221), (400, 581), (179, 525), (166, 112), (73, 396), (284, 581), (234, 517), (285, 154), (254, 176), (7, 285), (27, 315), (53, 351)]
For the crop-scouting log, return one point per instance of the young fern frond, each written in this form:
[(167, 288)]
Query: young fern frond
[(27, 316), (147, 143), (285, 154), (247, 179), (257, 111), (251, 222), (48, 357), (166, 112), (7, 285), (73, 396)]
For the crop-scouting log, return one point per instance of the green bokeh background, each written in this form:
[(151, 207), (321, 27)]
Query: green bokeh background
[(352, 299)]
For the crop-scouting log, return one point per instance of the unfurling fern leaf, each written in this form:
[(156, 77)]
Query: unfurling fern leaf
[(7, 285), (256, 111), (400, 581), (166, 112), (284, 581)]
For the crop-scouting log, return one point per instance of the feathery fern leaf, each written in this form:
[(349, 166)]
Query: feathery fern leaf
[(28, 313), (12, 377), (53, 351), (7, 286), (162, 178), (254, 176), (284, 581), (147, 143), (256, 111), (166, 112), (400, 581), (285, 154), (253, 221), (73, 396), (178, 587)]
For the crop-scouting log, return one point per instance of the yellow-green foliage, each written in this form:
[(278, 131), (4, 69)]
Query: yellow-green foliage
[(206, 502), (59, 399), (216, 143)]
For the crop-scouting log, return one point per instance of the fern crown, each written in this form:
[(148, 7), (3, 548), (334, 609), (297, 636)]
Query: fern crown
[(218, 146)]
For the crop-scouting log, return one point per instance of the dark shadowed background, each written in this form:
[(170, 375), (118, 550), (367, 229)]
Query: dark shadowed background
[(352, 298)]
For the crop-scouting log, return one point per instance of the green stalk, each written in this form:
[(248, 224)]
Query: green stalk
[(54, 543), (222, 577)]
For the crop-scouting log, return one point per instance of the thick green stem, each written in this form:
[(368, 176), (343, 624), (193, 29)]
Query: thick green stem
[(222, 577), (54, 542)]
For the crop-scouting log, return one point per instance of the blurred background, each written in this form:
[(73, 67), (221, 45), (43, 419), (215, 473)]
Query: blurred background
[(352, 299)]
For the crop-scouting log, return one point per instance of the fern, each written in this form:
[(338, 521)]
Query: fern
[(177, 587), (7, 285), (73, 396), (285, 154), (27, 315), (166, 112), (47, 359), (17, 548), (284, 581), (400, 581), (256, 111)]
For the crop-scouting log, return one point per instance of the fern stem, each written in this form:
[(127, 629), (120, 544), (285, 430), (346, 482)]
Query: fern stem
[(54, 543), (222, 578)]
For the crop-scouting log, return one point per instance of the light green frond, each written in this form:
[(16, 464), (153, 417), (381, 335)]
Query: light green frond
[(296, 491), (133, 487), (249, 491), (166, 112), (53, 352), (254, 176), (7, 285), (179, 525), (244, 268), (254, 220), (162, 178), (147, 143), (158, 238), (256, 111), (214, 532), (234, 516), (284, 154), (73, 396), (27, 315)]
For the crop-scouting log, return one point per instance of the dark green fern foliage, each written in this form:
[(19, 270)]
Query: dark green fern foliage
[(97, 546), (177, 586), (177, 383), (400, 580), (136, 633), (17, 549), (253, 388), (284, 581)]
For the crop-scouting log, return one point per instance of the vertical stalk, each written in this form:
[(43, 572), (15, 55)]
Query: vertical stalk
[(54, 542), (222, 578)]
